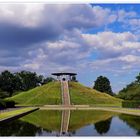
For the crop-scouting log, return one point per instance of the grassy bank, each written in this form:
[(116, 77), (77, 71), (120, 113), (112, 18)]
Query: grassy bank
[(8, 114)]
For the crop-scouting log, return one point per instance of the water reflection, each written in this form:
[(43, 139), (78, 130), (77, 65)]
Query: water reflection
[(19, 128), (72, 123), (132, 121), (103, 127)]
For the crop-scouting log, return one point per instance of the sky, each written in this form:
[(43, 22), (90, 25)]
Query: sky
[(89, 39)]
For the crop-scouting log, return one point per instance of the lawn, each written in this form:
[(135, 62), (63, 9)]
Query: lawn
[(47, 94), (80, 94), (12, 113), (50, 94)]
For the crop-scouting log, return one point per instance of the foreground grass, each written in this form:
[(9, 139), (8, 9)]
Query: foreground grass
[(46, 94), (80, 94), (12, 113)]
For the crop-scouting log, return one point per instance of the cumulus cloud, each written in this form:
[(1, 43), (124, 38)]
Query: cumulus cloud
[(129, 19), (49, 38), (56, 30)]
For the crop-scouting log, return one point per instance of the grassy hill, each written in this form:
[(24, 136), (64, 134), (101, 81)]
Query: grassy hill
[(84, 95), (46, 94), (51, 94)]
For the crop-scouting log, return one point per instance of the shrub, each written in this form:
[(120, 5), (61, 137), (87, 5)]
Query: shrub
[(131, 104), (6, 104), (10, 104), (2, 104)]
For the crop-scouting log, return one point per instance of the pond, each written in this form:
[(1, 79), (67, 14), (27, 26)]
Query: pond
[(73, 123)]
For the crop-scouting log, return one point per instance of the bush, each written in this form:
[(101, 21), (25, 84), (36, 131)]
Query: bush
[(10, 104), (131, 104), (2, 104), (6, 104)]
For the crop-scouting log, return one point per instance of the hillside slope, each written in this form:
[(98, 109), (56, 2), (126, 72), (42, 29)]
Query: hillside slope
[(51, 94), (46, 94), (84, 95)]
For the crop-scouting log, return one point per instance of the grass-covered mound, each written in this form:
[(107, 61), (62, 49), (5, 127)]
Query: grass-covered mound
[(80, 94), (51, 94), (46, 94)]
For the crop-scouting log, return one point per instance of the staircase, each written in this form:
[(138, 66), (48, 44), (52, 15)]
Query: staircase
[(65, 113), (65, 93)]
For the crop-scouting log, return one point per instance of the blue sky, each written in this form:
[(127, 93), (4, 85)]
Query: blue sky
[(90, 39)]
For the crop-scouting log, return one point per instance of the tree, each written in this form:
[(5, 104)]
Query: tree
[(102, 84), (138, 78), (29, 79), (73, 79), (7, 82), (103, 127), (47, 80)]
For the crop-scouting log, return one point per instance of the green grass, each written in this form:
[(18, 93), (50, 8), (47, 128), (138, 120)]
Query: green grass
[(46, 94), (14, 112), (80, 94), (50, 94)]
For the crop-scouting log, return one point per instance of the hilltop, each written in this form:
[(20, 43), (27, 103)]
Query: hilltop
[(51, 94)]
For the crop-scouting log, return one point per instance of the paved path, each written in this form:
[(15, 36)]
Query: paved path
[(66, 103), (65, 93)]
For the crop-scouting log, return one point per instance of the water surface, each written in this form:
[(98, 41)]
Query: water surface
[(73, 123)]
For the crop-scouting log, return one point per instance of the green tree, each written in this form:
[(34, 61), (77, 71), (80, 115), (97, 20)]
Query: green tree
[(102, 84), (73, 79), (47, 80), (103, 127), (29, 79), (7, 82), (138, 78)]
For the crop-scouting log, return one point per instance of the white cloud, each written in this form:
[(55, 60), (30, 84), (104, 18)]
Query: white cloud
[(80, 16)]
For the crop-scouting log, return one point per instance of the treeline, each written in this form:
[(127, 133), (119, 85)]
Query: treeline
[(12, 83), (132, 90)]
